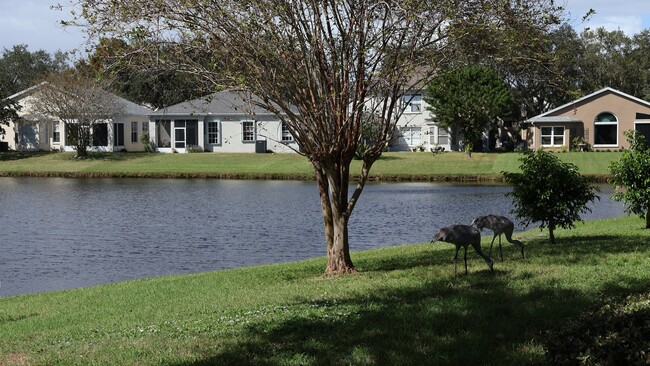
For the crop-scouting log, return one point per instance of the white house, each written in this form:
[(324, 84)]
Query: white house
[(36, 132), (417, 128), (225, 121)]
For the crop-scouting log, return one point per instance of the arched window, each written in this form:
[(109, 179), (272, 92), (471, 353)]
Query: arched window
[(606, 129)]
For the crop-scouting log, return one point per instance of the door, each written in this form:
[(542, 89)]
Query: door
[(179, 137)]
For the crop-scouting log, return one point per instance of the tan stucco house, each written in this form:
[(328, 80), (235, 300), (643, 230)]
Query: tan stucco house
[(600, 118)]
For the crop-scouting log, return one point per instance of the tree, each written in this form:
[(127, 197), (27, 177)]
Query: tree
[(549, 191), (21, 69), (469, 100), (320, 66), (631, 174), (80, 104)]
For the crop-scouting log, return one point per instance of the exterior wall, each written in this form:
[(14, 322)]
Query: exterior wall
[(416, 130), (268, 132), (625, 110)]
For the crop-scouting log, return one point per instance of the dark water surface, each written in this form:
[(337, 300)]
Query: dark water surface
[(67, 233)]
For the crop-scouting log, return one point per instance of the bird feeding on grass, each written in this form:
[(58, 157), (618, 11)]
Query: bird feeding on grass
[(462, 236)]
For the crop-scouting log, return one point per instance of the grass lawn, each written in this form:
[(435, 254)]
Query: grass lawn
[(404, 307), (392, 166)]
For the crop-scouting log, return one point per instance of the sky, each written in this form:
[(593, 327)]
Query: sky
[(34, 23)]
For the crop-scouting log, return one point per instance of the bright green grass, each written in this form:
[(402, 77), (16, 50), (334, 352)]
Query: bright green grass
[(392, 166), (404, 307)]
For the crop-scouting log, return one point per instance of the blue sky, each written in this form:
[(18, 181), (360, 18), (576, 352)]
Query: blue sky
[(32, 22)]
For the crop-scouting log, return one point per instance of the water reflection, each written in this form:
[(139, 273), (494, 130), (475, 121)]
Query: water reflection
[(68, 233)]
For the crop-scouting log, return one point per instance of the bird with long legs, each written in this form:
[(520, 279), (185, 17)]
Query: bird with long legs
[(462, 236), (499, 225)]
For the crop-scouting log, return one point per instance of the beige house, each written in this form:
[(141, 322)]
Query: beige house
[(36, 132), (599, 118)]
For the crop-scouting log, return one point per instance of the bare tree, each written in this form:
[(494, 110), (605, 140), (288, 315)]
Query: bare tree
[(80, 104), (321, 66)]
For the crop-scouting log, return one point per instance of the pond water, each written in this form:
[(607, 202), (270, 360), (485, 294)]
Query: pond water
[(67, 233)]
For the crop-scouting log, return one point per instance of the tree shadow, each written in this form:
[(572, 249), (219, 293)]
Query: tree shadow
[(473, 320), (20, 155)]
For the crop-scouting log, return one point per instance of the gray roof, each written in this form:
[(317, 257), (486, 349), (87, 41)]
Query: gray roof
[(130, 108), (231, 102), (553, 119)]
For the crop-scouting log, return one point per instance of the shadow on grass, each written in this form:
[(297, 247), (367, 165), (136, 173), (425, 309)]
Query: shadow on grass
[(19, 155), (474, 320), (111, 156)]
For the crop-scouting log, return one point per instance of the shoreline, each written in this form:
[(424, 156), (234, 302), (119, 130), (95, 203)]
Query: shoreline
[(273, 176)]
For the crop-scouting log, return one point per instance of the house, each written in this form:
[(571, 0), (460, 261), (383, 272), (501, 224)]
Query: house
[(417, 129), (37, 132), (599, 118), (225, 121)]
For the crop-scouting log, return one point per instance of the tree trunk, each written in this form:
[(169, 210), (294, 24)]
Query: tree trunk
[(647, 219), (338, 253), (551, 235), (335, 223)]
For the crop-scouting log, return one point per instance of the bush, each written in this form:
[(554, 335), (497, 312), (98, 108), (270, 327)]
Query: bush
[(549, 191), (617, 333)]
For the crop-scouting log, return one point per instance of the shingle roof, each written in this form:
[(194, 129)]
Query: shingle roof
[(223, 102)]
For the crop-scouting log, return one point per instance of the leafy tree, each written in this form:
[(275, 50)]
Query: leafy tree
[(469, 100), (632, 174), (549, 191), (319, 66), (80, 104), (21, 69), (154, 84)]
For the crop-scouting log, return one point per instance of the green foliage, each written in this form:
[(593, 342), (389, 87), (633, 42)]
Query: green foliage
[(549, 191), (614, 334), (145, 139), (469, 100), (21, 69), (632, 174)]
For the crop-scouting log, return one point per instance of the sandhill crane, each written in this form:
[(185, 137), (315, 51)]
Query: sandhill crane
[(499, 225), (462, 236)]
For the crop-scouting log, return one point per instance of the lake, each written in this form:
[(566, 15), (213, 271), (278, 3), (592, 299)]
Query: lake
[(60, 233)]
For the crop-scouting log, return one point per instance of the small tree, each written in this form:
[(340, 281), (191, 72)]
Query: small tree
[(549, 191), (80, 104), (469, 100), (632, 174)]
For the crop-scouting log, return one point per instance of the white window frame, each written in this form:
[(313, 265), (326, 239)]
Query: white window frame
[(412, 103), (56, 133), (553, 135), (244, 132), (214, 138), (608, 123), (285, 134), (134, 132)]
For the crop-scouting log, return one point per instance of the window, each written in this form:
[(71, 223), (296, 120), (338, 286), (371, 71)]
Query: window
[(412, 135), (134, 131), (118, 134), (286, 135), (443, 136), (100, 134), (606, 129), (213, 133), (552, 136), (412, 103), (163, 132), (248, 131), (145, 127), (56, 133)]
